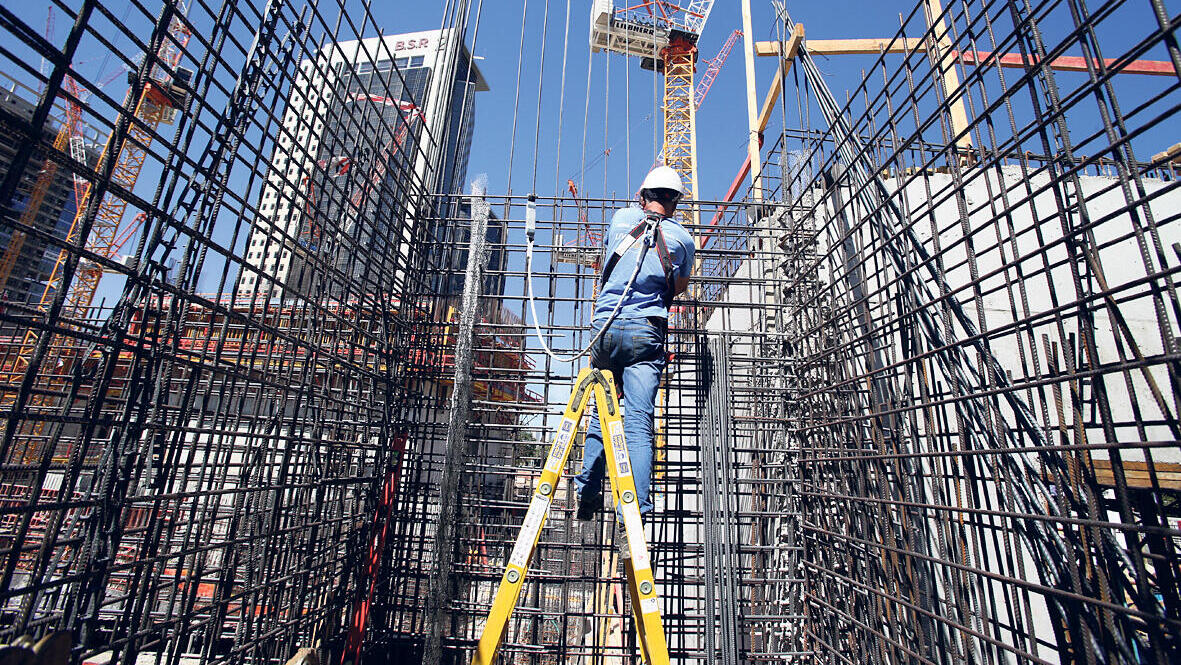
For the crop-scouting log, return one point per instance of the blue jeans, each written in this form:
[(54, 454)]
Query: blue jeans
[(633, 350)]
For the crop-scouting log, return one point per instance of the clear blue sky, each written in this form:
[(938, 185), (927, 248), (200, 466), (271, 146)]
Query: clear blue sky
[(623, 114), (627, 101)]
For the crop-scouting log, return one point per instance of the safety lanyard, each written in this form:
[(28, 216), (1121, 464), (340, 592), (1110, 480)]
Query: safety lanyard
[(666, 262)]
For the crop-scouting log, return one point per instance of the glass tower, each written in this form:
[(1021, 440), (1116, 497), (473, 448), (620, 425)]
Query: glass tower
[(365, 129)]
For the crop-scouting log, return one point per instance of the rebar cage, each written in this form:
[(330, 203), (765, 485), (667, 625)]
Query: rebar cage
[(922, 404)]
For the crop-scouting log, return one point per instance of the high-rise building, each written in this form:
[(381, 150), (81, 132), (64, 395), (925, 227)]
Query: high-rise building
[(367, 124), (35, 260)]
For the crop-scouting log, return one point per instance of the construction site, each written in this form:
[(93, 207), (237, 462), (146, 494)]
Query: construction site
[(287, 287)]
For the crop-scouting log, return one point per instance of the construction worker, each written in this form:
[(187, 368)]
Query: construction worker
[(633, 346)]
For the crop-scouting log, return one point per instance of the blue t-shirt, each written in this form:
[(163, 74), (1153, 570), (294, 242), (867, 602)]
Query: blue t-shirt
[(646, 297)]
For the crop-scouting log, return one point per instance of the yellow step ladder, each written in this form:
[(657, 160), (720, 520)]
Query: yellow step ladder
[(645, 603)]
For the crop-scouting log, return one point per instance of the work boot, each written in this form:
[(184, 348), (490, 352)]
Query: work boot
[(588, 507)]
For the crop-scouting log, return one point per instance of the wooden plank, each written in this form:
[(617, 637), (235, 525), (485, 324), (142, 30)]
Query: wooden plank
[(752, 147), (1137, 474), (1173, 154), (793, 47), (951, 76), (848, 46), (1063, 63)]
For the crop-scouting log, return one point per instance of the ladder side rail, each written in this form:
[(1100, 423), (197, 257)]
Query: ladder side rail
[(509, 590), (637, 564)]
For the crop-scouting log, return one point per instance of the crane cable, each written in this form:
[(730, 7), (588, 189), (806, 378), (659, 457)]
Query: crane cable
[(530, 232)]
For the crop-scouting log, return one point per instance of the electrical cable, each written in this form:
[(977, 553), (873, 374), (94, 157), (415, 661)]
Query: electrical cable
[(530, 232)]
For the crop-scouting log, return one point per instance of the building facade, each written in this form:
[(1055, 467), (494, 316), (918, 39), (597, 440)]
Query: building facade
[(35, 258), (368, 130)]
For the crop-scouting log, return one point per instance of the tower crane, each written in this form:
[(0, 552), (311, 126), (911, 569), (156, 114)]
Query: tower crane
[(69, 136), (707, 80), (712, 68), (664, 36), (163, 94)]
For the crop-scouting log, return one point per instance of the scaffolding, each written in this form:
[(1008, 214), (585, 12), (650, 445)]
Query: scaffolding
[(923, 404)]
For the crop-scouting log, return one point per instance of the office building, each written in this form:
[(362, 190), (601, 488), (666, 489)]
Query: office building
[(346, 186)]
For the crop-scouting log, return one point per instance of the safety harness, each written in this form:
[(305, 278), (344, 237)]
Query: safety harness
[(666, 261)]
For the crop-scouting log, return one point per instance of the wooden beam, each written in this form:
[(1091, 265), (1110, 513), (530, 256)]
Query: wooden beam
[(945, 57), (751, 112), (848, 46), (1173, 154), (1167, 475), (793, 47), (1063, 63)]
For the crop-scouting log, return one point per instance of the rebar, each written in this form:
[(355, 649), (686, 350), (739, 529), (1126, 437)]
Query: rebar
[(922, 404)]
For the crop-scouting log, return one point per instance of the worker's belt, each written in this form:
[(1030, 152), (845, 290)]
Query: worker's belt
[(660, 323), (666, 261)]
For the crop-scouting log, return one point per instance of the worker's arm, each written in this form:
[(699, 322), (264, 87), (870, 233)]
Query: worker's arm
[(680, 285)]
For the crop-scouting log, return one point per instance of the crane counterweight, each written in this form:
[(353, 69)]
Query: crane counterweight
[(664, 36)]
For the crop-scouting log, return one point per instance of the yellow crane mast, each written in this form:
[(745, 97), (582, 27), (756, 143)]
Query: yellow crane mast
[(664, 36), (163, 94), (157, 104), (70, 130)]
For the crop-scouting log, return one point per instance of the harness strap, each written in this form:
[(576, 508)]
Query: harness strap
[(666, 261)]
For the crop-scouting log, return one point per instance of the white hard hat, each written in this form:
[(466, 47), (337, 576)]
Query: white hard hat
[(663, 177)]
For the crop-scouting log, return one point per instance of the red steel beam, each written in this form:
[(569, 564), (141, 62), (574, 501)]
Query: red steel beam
[(1068, 63)]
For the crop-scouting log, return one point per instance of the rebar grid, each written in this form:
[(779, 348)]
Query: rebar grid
[(910, 417), (981, 327), (199, 470), (573, 606)]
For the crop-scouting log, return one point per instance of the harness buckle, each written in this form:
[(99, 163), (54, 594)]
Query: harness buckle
[(652, 222)]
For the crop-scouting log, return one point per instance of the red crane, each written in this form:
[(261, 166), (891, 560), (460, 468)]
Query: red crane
[(312, 231), (713, 67)]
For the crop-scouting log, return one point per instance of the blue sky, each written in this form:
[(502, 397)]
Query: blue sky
[(608, 131), (623, 113)]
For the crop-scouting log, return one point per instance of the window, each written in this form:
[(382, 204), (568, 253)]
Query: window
[(416, 61), (402, 62), (383, 65)]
